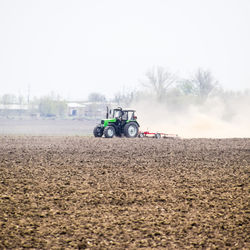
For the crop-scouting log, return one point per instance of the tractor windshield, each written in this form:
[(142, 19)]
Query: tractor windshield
[(117, 114)]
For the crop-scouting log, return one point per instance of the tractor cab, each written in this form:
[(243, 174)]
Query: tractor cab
[(118, 122), (125, 114)]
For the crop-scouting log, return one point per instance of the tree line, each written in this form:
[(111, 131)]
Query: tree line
[(162, 86), (159, 84)]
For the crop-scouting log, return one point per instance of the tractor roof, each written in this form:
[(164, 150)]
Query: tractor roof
[(127, 109)]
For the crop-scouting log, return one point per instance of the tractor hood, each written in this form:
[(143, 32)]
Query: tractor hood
[(105, 122)]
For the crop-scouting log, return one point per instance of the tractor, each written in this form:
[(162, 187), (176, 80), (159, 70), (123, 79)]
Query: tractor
[(118, 122)]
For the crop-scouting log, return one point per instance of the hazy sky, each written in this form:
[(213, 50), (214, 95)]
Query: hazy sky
[(76, 47)]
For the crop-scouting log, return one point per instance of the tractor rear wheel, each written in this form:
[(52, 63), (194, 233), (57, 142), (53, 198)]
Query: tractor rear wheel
[(98, 131), (131, 130), (109, 132)]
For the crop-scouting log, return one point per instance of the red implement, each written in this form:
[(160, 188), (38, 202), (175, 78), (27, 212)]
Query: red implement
[(157, 135)]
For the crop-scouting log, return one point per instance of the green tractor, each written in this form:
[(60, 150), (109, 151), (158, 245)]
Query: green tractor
[(118, 122)]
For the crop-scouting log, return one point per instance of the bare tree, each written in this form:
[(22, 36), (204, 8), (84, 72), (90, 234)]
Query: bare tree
[(124, 98), (52, 107), (9, 99), (96, 97), (159, 80), (204, 82)]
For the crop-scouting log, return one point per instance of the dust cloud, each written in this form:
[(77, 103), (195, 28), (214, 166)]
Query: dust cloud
[(214, 118)]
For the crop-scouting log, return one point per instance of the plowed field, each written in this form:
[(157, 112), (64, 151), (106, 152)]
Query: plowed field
[(79, 192)]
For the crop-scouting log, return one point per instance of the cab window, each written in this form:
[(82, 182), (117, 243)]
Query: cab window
[(130, 115), (125, 116), (117, 114)]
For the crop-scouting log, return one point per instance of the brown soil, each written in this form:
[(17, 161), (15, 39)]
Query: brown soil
[(78, 192)]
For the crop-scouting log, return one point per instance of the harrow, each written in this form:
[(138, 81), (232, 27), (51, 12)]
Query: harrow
[(157, 135)]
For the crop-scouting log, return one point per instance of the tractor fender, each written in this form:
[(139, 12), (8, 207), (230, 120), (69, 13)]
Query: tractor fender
[(134, 122)]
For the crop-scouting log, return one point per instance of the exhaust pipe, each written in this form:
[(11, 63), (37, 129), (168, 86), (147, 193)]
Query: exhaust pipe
[(107, 114)]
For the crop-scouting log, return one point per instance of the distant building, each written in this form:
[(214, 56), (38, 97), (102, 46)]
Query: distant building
[(76, 109), (13, 109), (87, 109)]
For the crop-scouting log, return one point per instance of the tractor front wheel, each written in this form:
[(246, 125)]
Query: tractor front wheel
[(109, 132), (131, 130), (98, 131)]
